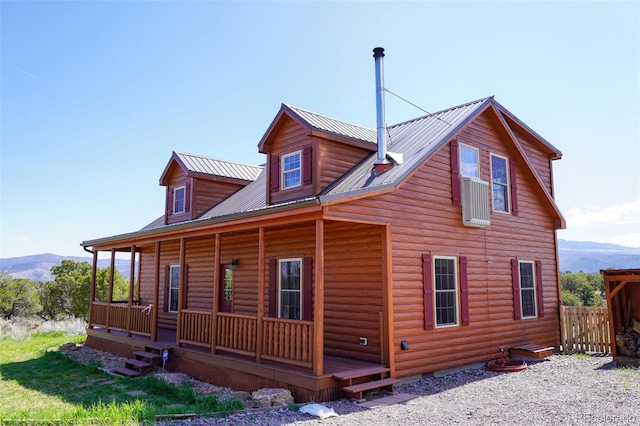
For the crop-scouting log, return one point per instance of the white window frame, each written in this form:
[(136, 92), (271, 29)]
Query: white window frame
[(281, 291), (461, 148), (173, 286), (284, 173), (456, 292), (505, 186), (533, 290), (175, 199)]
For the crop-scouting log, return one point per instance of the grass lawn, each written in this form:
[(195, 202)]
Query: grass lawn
[(40, 386)]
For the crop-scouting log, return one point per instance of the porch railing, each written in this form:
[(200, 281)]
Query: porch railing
[(195, 328), (288, 341), (99, 314), (118, 316), (236, 333), (285, 341)]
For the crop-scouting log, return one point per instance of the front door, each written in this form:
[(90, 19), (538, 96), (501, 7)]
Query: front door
[(226, 289)]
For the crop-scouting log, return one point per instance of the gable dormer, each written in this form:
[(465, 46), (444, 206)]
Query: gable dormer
[(195, 184), (307, 152)]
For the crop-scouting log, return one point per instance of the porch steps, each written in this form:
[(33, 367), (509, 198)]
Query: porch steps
[(143, 361), (124, 371), (356, 390), (151, 357), (360, 380)]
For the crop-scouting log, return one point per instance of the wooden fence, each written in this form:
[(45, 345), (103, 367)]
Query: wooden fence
[(585, 329)]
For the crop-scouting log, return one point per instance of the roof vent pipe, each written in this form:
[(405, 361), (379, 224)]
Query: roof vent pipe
[(378, 54)]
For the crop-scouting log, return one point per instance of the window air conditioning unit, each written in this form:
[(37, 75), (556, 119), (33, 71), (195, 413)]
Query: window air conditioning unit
[(475, 202)]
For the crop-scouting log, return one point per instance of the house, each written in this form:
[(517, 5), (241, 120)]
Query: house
[(354, 257)]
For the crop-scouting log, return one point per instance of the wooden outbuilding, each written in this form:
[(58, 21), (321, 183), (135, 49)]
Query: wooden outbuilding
[(622, 288), (346, 263)]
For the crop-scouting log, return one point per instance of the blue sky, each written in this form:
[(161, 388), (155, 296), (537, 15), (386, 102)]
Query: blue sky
[(95, 96)]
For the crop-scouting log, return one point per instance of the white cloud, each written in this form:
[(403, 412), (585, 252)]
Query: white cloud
[(23, 238), (617, 214), (628, 240)]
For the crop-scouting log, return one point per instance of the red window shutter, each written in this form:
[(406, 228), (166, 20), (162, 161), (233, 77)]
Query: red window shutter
[(307, 289), (427, 288), (307, 165), (187, 197), (455, 172), (273, 288), (464, 291), (514, 187), (515, 277), (539, 288), (275, 173), (185, 284), (169, 201)]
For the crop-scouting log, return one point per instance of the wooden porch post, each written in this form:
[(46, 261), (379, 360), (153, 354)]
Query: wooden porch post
[(110, 292), (318, 305), (92, 291), (156, 295), (132, 269), (216, 294), (261, 287), (183, 244), (387, 296)]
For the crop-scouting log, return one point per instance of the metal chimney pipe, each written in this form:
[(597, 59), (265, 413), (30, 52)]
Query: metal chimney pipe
[(378, 54)]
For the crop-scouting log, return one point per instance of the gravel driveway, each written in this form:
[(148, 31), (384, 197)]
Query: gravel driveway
[(561, 390)]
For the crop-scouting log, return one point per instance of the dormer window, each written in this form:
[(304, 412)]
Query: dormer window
[(291, 170), (178, 200)]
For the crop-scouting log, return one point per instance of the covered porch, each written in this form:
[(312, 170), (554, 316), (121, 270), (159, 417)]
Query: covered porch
[(253, 346)]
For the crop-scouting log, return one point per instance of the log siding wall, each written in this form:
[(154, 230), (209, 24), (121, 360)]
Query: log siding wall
[(424, 220), (207, 194)]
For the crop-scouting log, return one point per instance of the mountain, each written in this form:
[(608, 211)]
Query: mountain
[(38, 266), (588, 256), (574, 256)]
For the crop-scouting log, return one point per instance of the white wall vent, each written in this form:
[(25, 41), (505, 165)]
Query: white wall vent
[(475, 202)]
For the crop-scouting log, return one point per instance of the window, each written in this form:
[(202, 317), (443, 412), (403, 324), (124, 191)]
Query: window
[(291, 170), (446, 291), (500, 183), (227, 285), (290, 289), (178, 200), (527, 289), (469, 164), (174, 287)]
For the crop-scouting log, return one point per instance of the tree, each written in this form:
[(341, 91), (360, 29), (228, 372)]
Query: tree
[(18, 296), (120, 285), (585, 289), (67, 295)]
